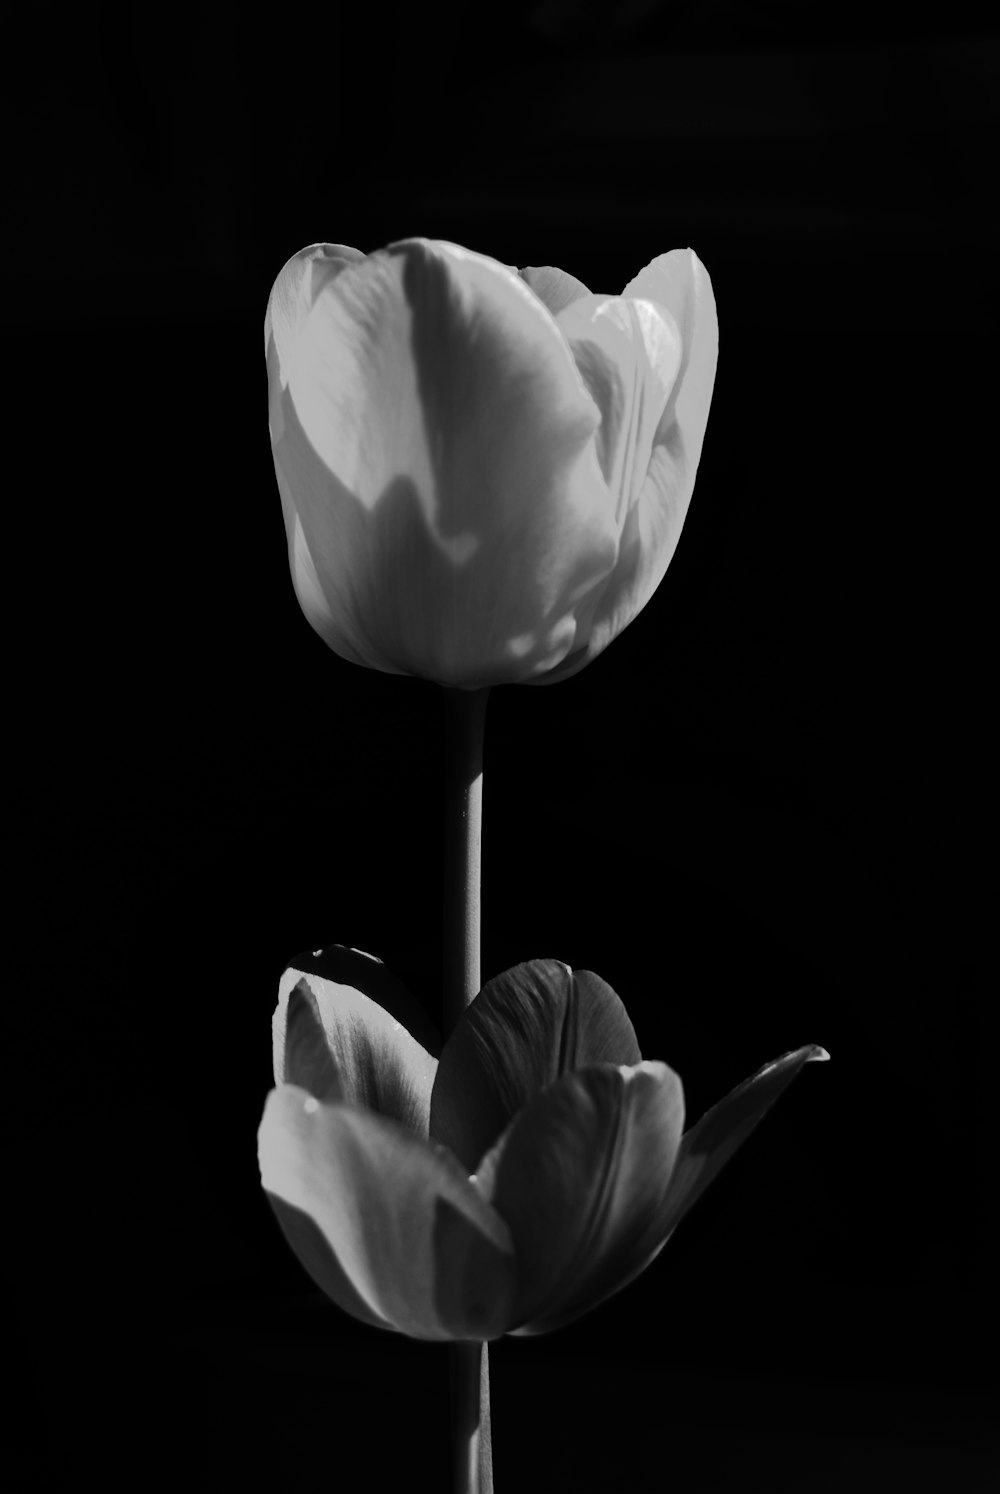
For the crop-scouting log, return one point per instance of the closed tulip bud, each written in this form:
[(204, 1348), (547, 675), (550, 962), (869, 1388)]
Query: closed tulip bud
[(505, 1182), (484, 473)]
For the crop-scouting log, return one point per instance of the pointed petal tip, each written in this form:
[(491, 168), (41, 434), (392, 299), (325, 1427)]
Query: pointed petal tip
[(346, 1028), (791, 1061)]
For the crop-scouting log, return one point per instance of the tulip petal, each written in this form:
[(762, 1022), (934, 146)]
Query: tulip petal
[(679, 282), (577, 1176), (308, 1059), (296, 287), (629, 354), (416, 1241), (344, 1029), (289, 303), (526, 1027), (658, 469), (445, 512), (554, 288), (708, 1146), (314, 1253)]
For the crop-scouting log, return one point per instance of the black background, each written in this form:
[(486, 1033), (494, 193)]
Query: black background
[(760, 815)]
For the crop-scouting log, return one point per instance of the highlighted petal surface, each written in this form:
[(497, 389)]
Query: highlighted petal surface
[(649, 358), (295, 289), (417, 1243), (629, 353), (578, 1176), (354, 1033), (526, 1028)]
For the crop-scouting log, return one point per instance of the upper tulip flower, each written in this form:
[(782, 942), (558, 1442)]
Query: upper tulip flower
[(508, 1186), (484, 472)]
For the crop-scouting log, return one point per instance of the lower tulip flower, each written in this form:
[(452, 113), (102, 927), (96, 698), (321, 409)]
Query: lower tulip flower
[(505, 1182)]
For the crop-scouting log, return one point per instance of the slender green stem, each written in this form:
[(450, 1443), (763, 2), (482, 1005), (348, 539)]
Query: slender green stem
[(465, 717), (471, 1441)]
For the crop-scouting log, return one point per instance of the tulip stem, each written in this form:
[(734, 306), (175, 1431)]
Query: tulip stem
[(465, 718), (471, 1443)]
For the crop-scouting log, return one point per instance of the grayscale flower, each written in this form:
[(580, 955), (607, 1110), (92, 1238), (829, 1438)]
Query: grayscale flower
[(484, 472), (506, 1182)]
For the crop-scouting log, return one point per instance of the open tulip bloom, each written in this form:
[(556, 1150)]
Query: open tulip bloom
[(484, 472), (506, 1182)]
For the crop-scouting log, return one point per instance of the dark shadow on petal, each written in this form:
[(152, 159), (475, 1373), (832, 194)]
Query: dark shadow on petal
[(527, 1027), (578, 1178), (379, 1081), (474, 1282), (308, 1061)]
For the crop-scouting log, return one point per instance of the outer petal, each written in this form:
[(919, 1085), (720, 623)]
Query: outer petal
[(445, 512), (526, 1027), (345, 1028), (655, 403), (295, 290), (554, 288), (578, 1176), (419, 1246), (708, 1146)]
